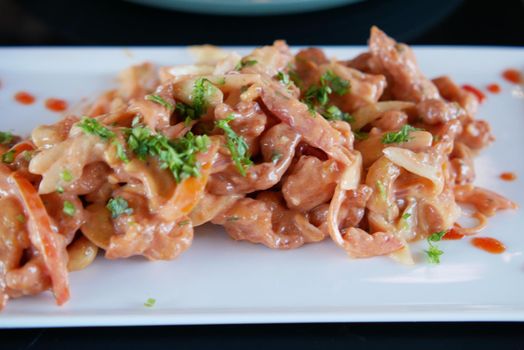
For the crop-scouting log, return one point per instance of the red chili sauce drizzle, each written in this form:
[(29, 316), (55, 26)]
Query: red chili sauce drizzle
[(479, 94), (508, 176), (56, 105), (512, 75), (494, 88), (24, 98), (453, 234), (488, 244)]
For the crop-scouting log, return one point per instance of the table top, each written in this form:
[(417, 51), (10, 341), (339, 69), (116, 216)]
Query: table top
[(118, 22), (406, 336)]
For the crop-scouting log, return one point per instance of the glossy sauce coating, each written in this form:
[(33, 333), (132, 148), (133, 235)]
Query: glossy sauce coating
[(24, 98), (513, 76), (488, 244), (56, 105), (508, 176), (479, 94)]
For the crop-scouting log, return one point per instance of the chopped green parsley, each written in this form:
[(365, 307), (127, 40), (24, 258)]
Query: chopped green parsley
[(433, 253), (121, 152), (184, 223), (20, 218), (118, 206), (179, 156), (245, 63), (8, 157), (283, 78), (400, 136), (334, 113), (202, 88), (5, 137), (236, 144), (93, 127), (66, 175), (69, 208), (150, 302), (317, 96), (159, 100), (360, 135), (381, 190)]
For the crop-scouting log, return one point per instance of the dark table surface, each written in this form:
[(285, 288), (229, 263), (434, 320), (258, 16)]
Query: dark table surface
[(114, 22), (117, 22)]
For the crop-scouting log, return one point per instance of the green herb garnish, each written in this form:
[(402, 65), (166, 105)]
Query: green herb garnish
[(295, 78), (245, 63), (135, 121), (69, 208), (186, 111), (406, 216), (283, 78), (340, 86), (236, 144), (66, 175), (319, 94), (334, 113), (179, 156), (8, 157), (184, 223), (5, 137), (201, 91), (93, 127), (360, 135), (381, 190), (433, 253), (121, 152), (232, 218), (400, 136), (118, 206), (150, 302), (20, 218), (28, 155), (276, 156), (159, 100)]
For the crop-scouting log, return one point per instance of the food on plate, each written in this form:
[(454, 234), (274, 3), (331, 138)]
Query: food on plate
[(280, 149)]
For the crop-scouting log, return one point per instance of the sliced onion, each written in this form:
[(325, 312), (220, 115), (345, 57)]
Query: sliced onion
[(418, 164)]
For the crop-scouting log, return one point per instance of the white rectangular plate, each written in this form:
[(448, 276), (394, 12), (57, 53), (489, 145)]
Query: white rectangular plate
[(219, 280)]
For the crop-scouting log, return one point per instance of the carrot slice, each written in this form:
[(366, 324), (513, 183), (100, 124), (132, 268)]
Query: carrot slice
[(21, 147), (48, 242), (190, 191)]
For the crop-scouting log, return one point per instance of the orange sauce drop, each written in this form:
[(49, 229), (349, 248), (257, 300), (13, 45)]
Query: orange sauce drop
[(488, 244), (453, 235), (479, 94), (56, 105), (512, 75), (24, 98), (494, 88), (508, 176)]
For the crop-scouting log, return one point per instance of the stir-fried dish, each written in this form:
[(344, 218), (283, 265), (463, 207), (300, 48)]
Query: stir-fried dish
[(279, 149)]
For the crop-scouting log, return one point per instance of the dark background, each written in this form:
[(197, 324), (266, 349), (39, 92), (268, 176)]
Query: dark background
[(114, 22)]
